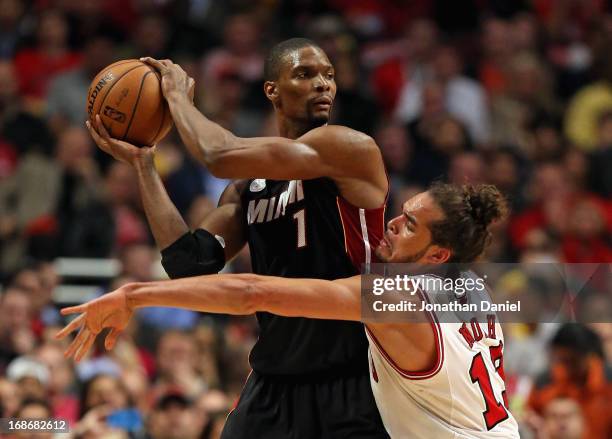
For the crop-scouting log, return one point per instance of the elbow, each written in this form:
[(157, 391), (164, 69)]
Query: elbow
[(218, 164), (216, 159), (219, 170), (213, 160)]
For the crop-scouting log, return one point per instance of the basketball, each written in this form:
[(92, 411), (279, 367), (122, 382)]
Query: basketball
[(128, 97)]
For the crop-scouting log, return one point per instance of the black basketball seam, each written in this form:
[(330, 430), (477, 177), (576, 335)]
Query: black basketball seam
[(114, 83), (164, 105), (135, 104), (161, 122)]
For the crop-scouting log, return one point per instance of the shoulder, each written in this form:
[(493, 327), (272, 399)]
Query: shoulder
[(233, 191), (239, 185), (339, 135)]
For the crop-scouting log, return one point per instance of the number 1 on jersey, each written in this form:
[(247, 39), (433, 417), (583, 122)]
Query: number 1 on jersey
[(300, 217)]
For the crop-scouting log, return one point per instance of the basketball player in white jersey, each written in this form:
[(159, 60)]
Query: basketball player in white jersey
[(431, 380)]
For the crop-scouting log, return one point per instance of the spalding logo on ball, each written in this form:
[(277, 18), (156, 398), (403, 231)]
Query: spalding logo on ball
[(128, 97)]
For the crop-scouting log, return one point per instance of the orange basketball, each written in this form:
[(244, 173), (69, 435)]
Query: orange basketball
[(128, 97)]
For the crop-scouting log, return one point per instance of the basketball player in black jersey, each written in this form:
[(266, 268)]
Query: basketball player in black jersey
[(445, 224), (310, 203)]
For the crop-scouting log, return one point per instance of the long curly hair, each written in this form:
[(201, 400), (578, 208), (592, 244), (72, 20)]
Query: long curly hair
[(468, 212)]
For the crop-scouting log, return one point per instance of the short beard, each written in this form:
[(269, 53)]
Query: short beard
[(316, 121), (408, 259), (415, 257)]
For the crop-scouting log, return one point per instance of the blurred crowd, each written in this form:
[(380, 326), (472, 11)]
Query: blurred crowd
[(517, 93)]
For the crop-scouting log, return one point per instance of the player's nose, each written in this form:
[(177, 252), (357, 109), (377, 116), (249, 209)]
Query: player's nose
[(321, 84)]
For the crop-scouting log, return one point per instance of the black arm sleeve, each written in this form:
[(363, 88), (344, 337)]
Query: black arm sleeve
[(193, 254)]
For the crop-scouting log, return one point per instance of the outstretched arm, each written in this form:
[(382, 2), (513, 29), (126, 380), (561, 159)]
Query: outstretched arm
[(328, 151), (243, 294), (248, 293), (239, 294)]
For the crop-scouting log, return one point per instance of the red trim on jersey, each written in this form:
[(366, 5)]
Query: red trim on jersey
[(424, 374), (374, 373), (363, 231), (239, 396)]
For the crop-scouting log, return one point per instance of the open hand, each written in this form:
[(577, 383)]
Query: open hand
[(108, 311), (175, 81), (120, 150)]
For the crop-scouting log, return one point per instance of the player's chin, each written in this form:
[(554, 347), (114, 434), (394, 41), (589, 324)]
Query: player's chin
[(319, 118), (383, 253)]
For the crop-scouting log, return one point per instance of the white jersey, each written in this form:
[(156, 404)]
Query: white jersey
[(462, 396)]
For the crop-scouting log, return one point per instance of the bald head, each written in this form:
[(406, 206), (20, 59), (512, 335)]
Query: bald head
[(279, 53)]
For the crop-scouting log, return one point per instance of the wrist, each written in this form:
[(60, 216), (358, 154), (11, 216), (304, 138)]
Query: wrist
[(144, 161), (129, 295), (178, 98)]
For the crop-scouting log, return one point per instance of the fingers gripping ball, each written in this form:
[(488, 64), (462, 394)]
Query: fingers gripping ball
[(128, 97)]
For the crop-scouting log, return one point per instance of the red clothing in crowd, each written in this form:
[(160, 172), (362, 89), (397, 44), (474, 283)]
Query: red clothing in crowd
[(535, 218), (35, 70), (579, 250), (594, 396)]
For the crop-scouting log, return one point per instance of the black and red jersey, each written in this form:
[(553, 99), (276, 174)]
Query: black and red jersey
[(305, 229)]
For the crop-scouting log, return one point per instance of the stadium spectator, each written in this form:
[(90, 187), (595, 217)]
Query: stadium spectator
[(497, 50), (544, 139), (176, 365), (101, 395), (466, 167), (396, 148), (436, 137), (123, 206), (551, 193), (412, 67), (527, 94), (587, 236), (464, 98), (562, 420), (506, 170), (10, 398), (12, 26), (150, 37), (43, 311), (209, 344), (60, 390), (20, 131), (578, 371), (34, 409), (240, 54), (175, 417), (65, 104), (50, 56), (16, 331), (30, 375)]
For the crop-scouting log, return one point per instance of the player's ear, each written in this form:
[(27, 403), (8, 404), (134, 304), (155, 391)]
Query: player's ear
[(437, 255), (271, 91)]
